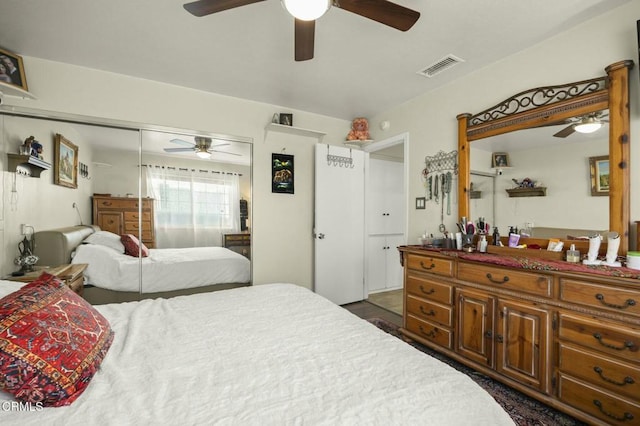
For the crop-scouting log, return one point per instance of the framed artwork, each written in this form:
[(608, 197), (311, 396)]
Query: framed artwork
[(12, 70), (599, 175), (500, 159), (282, 173), (286, 119), (421, 203), (65, 164)]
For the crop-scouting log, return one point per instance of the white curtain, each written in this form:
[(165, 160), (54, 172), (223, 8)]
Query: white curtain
[(193, 208)]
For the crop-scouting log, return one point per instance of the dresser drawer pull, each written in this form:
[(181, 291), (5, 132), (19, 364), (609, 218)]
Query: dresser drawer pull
[(490, 278), (433, 265), (626, 416), (427, 292), (107, 203), (430, 334), (627, 380), (627, 344), (629, 302), (430, 313)]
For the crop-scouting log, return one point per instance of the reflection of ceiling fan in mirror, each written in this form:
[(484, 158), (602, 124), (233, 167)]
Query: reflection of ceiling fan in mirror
[(586, 124), (202, 147), (306, 12)]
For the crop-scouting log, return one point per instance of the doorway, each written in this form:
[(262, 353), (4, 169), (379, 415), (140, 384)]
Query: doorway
[(386, 183)]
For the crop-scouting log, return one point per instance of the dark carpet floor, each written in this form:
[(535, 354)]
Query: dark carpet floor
[(524, 411)]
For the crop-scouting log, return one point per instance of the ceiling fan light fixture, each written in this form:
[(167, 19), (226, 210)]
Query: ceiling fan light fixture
[(203, 154), (306, 10), (588, 125)]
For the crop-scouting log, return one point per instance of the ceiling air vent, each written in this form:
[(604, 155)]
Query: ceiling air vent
[(443, 64)]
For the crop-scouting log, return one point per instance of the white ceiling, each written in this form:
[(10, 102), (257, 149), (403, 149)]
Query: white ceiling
[(360, 67)]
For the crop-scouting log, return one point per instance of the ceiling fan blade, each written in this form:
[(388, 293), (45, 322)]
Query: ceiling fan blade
[(207, 7), (224, 152), (383, 11), (182, 142), (220, 144), (565, 132), (304, 39), (178, 149)]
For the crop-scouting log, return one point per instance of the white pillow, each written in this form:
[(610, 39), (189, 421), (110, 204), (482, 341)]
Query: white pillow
[(107, 239)]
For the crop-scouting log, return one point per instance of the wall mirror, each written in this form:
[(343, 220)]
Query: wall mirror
[(119, 160), (548, 110), (482, 196)]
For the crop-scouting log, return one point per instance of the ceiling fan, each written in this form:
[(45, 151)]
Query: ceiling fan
[(586, 124), (306, 12), (202, 147)]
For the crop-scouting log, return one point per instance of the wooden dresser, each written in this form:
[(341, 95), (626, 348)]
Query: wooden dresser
[(568, 339), (121, 215)]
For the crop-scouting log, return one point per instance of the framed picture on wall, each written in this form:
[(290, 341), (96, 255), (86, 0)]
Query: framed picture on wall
[(282, 173), (599, 174), (500, 159), (12, 70), (65, 162)]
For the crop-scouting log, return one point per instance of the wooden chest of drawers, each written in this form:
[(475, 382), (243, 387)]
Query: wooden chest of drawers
[(568, 338), (123, 216)]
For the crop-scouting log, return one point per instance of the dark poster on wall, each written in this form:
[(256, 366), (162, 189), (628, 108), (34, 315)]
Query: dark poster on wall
[(282, 173)]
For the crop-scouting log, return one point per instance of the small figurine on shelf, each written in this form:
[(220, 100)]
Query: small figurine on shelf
[(25, 148), (31, 147), (359, 130)]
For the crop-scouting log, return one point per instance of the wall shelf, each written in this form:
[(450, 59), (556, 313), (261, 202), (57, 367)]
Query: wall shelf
[(11, 90), (29, 162), (527, 192), (281, 128)]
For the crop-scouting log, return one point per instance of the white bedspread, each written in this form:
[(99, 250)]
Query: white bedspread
[(266, 355), (164, 269)]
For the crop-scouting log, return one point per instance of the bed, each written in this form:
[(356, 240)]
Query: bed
[(270, 354), (113, 276)]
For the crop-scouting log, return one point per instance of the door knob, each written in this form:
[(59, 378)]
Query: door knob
[(321, 236)]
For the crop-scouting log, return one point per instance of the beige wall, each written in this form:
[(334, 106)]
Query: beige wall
[(578, 54)]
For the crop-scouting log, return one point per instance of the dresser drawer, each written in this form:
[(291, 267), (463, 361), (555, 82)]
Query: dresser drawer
[(600, 296), (112, 203), (432, 265), (528, 282), (135, 226), (434, 333), (429, 289), (614, 339), (601, 404), (430, 311), (620, 377), (134, 216)]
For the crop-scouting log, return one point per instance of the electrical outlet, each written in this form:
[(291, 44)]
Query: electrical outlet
[(24, 228), (529, 225)]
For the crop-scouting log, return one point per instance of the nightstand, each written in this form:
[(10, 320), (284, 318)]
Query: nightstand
[(71, 274), (240, 243)]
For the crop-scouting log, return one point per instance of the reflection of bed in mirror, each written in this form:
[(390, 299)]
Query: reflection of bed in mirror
[(113, 276)]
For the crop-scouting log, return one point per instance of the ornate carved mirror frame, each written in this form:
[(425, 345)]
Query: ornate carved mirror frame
[(554, 104)]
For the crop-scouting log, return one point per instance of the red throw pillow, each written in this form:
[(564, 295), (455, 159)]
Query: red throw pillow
[(133, 247), (51, 343)]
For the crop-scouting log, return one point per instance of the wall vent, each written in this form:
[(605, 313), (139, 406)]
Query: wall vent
[(441, 65)]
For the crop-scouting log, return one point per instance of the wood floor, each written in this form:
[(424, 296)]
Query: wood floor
[(367, 310), (391, 300)]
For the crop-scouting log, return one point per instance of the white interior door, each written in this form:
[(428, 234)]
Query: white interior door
[(339, 224)]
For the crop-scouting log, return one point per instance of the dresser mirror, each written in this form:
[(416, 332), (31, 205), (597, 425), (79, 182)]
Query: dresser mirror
[(556, 107), (116, 158)]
